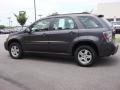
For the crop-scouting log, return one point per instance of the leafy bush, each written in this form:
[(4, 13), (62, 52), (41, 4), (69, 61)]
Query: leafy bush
[(2, 26), (21, 18)]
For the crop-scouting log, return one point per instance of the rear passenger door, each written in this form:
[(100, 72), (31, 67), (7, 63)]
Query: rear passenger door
[(63, 31)]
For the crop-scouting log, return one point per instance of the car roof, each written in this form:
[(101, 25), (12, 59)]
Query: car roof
[(71, 14)]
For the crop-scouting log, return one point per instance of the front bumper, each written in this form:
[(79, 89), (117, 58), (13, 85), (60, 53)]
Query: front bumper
[(6, 45)]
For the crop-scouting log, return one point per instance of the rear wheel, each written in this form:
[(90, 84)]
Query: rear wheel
[(85, 55), (15, 50)]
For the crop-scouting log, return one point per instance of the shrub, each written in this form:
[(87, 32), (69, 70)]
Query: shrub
[(2, 26)]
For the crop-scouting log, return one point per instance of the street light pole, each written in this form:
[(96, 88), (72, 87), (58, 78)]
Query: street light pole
[(9, 19), (35, 9), (11, 23)]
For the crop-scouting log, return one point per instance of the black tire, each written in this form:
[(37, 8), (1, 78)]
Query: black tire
[(20, 53), (83, 58)]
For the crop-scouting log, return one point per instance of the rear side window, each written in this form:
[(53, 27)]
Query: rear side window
[(63, 24), (90, 22), (106, 22)]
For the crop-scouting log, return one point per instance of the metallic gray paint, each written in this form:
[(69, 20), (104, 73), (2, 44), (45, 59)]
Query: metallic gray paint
[(62, 41)]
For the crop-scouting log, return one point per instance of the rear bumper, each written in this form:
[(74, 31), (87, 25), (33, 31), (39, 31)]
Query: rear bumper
[(115, 48), (108, 49)]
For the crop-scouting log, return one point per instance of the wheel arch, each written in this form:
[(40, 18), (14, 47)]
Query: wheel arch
[(13, 41), (89, 43)]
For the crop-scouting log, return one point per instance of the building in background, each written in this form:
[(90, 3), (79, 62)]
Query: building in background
[(111, 11)]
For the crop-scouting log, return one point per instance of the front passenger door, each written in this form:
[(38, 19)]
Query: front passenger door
[(37, 40)]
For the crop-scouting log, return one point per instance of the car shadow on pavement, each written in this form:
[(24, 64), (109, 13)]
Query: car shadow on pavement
[(64, 59), (106, 61)]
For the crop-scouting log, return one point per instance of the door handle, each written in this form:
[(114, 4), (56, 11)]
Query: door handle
[(71, 33)]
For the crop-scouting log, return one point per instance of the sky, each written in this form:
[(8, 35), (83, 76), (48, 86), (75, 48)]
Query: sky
[(44, 7)]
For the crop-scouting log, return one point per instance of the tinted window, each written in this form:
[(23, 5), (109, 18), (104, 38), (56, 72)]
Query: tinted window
[(41, 25), (63, 23), (90, 22), (105, 22)]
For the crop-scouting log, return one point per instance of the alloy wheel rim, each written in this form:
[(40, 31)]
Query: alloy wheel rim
[(15, 51), (84, 56)]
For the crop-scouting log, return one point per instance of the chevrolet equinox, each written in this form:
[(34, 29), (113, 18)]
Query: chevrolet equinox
[(82, 35)]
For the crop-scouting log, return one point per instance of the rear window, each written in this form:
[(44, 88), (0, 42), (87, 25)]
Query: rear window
[(90, 22)]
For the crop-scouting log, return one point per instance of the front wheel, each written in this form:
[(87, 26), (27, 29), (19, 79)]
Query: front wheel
[(15, 50), (85, 55)]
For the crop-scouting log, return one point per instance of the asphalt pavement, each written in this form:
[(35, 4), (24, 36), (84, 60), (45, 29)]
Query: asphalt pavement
[(55, 72)]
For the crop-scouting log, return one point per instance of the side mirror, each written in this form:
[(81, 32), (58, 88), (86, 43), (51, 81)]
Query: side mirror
[(27, 30)]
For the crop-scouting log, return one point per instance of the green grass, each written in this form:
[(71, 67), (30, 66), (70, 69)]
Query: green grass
[(118, 39)]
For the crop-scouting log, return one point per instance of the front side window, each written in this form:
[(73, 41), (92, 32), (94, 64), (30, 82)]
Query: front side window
[(41, 25), (90, 22), (63, 24)]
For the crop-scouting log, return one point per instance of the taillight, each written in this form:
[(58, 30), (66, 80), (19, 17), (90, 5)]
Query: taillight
[(108, 36)]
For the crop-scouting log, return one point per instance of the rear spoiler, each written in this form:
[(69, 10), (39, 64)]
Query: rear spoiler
[(100, 16)]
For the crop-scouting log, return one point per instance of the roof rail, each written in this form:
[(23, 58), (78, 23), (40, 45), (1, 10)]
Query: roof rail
[(69, 13)]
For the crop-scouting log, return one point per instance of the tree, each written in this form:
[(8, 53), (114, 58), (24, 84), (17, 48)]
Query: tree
[(2, 26), (21, 18)]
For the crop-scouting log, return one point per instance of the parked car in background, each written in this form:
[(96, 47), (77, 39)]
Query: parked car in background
[(116, 25), (8, 30), (3, 31), (83, 36)]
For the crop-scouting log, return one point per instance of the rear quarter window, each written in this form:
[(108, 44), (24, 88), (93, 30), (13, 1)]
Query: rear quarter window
[(106, 22), (90, 22)]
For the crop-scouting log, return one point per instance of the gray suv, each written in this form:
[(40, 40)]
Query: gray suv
[(84, 36)]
